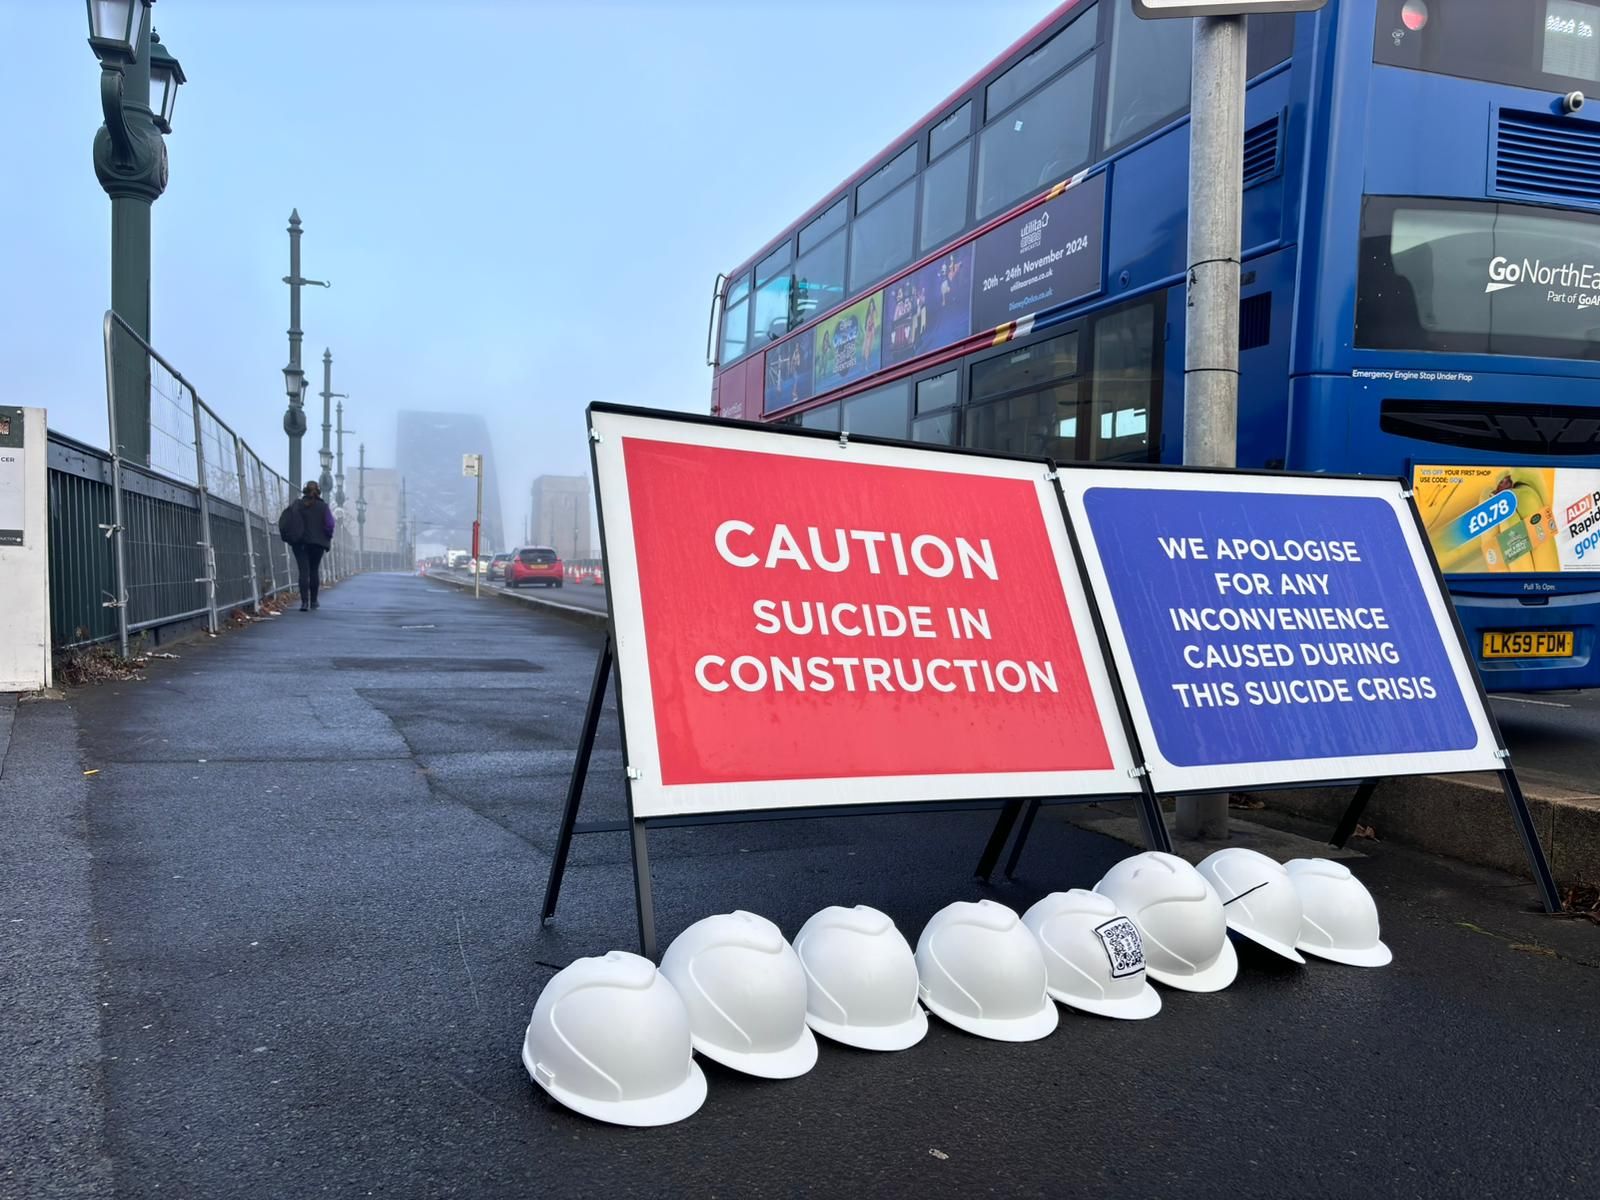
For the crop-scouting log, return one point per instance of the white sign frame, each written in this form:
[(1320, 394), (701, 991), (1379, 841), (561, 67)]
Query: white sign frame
[(1168, 777), (651, 798), (1155, 10)]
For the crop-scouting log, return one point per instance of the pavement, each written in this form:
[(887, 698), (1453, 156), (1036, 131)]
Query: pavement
[(284, 942)]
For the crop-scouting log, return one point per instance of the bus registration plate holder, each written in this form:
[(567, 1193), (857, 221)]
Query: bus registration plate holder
[(1528, 643)]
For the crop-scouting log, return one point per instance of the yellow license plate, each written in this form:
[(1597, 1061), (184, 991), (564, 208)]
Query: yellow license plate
[(1531, 643)]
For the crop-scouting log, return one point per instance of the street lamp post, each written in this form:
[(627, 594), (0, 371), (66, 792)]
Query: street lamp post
[(130, 161), (338, 474), (294, 377), (325, 479), (402, 530), (361, 506)]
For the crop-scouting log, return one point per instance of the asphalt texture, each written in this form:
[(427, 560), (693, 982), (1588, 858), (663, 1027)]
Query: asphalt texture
[(285, 943), (1554, 737)]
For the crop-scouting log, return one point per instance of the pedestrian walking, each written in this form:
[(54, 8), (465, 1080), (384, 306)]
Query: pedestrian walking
[(307, 526)]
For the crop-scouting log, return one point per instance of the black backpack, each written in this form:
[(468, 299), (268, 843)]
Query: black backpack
[(290, 524)]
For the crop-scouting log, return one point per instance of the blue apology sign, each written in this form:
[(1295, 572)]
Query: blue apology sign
[(1277, 629)]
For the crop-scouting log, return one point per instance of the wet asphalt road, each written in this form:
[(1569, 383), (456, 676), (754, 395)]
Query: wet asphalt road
[(295, 942), (1554, 737)]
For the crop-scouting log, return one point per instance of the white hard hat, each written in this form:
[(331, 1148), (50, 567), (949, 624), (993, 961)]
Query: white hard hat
[(1092, 955), (1341, 921), (981, 970), (861, 979), (609, 1038), (1258, 898), (745, 993), (1180, 920)]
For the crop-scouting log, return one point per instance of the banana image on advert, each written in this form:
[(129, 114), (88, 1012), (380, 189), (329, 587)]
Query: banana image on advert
[(1487, 519)]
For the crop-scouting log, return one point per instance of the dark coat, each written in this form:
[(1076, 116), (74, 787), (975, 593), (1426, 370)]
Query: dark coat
[(307, 522)]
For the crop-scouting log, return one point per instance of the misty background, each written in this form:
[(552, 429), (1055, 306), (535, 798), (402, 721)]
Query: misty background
[(521, 206)]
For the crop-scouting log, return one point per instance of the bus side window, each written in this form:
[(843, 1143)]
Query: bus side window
[(1125, 372)]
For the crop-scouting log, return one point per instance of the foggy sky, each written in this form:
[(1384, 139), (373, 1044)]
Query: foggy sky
[(521, 206)]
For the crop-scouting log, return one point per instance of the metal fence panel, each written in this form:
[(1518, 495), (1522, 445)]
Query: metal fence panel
[(194, 533)]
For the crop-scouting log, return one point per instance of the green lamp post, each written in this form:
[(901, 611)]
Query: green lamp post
[(130, 161)]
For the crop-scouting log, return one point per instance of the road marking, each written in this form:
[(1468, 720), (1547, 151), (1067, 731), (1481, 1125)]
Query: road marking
[(1525, 700)]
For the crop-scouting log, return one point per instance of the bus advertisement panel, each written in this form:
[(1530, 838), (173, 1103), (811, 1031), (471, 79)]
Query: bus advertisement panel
[(929, 309), (1047, 256), (1486, 520), (788, 374), (847, 344)]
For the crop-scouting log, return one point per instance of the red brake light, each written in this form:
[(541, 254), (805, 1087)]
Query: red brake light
[(1414, 14)]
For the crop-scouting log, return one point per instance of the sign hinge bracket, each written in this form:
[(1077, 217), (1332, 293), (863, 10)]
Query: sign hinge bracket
[(594, 435), (1138, 772), (1503, 754), (1407, 494), (844, 439), (635, 773)]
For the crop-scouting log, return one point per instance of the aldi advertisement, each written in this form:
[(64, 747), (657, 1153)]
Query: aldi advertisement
[(1494, 520)]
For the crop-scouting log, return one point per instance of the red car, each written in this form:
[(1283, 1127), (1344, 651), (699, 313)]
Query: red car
[(535, 564)]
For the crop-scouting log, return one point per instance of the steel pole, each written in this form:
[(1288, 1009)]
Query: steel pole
[(249, 534), (477, 533), (338, 475), (361, 505), (1211, 338), (325, 456), (294, 420), (130, 161)]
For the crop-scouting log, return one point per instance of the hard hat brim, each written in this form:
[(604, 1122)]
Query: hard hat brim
[(1377, 956), (682, 1101), (1213, 979), (1135, 1008), (787, 1063), (874, 1037), (1281, 948), (1002, 1029)]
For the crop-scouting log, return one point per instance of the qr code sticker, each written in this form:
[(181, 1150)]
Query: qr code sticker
[(1123, 947)]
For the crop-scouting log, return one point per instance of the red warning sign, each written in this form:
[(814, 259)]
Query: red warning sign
[(886, 623)]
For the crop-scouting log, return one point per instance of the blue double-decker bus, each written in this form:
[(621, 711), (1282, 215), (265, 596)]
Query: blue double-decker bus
[(1420, 285)]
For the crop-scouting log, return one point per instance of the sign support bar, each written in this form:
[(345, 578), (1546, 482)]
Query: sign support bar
[(1523, 820), (580, 772)]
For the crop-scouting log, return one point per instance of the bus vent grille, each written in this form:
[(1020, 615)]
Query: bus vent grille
[(1542, 431), (1262, 160), (1255, 321), (1555, 158)]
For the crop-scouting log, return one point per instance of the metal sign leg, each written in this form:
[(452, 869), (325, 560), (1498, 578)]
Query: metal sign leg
[(580, 772), (997, 839), (641, 892), (1151, 823), (1352, 815), (1537, 862), (1028, 815)]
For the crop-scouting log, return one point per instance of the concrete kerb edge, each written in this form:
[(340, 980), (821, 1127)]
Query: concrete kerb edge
[(1466, 817), (582, 616)]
